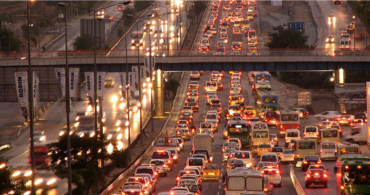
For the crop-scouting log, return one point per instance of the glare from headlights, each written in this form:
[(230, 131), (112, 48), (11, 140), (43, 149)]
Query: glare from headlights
[(38, 181), (119, 136), (61, 133), (82, 134), (122, 105), (110, 148), (89, 108), (42, 138), (127, 123), (50, 182), (92, 134), (76, 124), (28, 173), (27, 193), (16, 174), (109, 136), (119, 145), (114, 99)]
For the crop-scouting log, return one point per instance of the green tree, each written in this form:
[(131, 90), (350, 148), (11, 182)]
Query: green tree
[(83, 42), (357, 76), (8, 42), (87, 175), (286, 38), (141, 5), (127, 20), (172, 85), (6, 183)]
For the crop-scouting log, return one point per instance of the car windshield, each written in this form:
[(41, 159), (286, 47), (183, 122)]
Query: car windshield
[(211, 167), (289, 117), (277, 149), (292, 134), (242, 155), (268, 158), (260, 134), (288, 152), (312, 158), (330, 133), (157, 162), (311, 129), (195, 162), (143, 170), (160, 155), (328, 146)]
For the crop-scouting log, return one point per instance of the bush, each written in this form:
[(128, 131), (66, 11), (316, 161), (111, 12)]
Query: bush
[(120, 158), (308, 80)]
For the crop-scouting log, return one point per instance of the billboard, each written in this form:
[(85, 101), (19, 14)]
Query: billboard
[(350, 93)]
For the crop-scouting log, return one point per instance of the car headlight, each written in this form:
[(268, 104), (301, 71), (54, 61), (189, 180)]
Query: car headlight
[(38, 181), (51, 181), (16, 174), (127, 123), (28, 173), (92, 134), (119, 136), (82, 134), (135, 109), (133, 41), (42, 138), (109, 137)]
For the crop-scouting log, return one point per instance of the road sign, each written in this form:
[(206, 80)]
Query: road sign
[(297, 26), (304, 98)]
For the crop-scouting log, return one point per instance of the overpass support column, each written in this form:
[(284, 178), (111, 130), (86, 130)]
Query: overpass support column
[(159, 93)]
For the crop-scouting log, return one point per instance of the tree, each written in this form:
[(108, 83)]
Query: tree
[(196, 9), (83, 42), (141, 5), (6, 183), (286, 38), (172, 85), (8, 42), (127, 19), (86, 173)]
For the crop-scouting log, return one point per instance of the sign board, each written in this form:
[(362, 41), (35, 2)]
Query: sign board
[(350, 93), (304, 98), (297, 26)]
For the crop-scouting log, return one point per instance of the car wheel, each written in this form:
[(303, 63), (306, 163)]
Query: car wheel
[(279, 185)]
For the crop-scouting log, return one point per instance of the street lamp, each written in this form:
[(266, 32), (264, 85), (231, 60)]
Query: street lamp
[(30, 100), (138, 63)]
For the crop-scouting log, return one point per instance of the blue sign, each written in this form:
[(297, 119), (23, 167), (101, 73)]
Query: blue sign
[(297, 26)]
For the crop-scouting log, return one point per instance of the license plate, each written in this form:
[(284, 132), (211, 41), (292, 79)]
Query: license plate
[(211, 173), (329, 152), (271, 176), (312, 163)]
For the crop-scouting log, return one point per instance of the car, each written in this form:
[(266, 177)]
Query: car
[(21, 172), (203, 49), (45, 179), (311, 132), (263, 149), (340, 129), (327, 114), (165, 156), (133, 188), (337, 52), (213, 31), (226, 153), (148, 186), (39, 136), (278, 151), (147, 169), (236, 141), (273, 175), (211, 172), (325, 124), (274, 140), (114, 135), (194, 106), (310, 160), (331, 19), (270, 158), (174, 153), (229, 145), (317, 167), (262, 165), (345, 119), (195, 75), (209, 132), (109, 82), (287, 156), (328, 150), (161, 166), (246, 157), (316, 176), (226, 7), (330, 39)]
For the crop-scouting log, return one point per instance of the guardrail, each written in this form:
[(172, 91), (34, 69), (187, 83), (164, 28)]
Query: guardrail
[(140, 158), (297, 186), (132, 52)]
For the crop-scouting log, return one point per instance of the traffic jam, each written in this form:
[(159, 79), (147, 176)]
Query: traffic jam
[(256, 142)]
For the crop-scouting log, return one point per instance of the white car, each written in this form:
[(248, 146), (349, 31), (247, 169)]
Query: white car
[(328, 150), (327, 114), (287, 156), (161, 165), (311, 132), (237, 141), (273, 175), (291, 134), (39, 136)]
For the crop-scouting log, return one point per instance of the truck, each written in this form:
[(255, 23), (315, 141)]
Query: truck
[(359, 31), (345, 43), (42, 159), (202, 144)]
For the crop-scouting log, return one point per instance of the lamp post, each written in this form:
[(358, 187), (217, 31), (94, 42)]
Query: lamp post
[(30, 104)]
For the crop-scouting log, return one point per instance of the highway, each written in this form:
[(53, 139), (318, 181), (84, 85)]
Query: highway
[(53, 120), (164, 15), (343, 17)]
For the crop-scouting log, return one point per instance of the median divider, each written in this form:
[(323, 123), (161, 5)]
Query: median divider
[(136, 163), (297, 186)]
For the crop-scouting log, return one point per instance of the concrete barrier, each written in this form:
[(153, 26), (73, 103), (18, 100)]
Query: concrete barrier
[(297, 186)]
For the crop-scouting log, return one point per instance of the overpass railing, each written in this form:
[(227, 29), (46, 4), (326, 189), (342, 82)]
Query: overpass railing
[(22, 55)]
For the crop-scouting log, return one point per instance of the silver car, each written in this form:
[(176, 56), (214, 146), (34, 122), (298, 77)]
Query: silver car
[(287, 156), (161, 165)]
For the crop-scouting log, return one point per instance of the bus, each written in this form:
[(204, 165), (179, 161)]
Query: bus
[(238, 129), (346, 150), (256, 76), (304, 147), (288, 120), (331, 134), (353, 176), (244, 181), (261, 86), (267, 100), (259, 136)]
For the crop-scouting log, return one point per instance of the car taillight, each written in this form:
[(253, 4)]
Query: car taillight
[(320, 151), (308, 175), (265, 189), (164, 166), (169, 161), (319, 162), (177, 178), (155, 173), (305, 162), (325, 176)]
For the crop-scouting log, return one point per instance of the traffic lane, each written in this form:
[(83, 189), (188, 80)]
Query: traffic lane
[(319, 189)]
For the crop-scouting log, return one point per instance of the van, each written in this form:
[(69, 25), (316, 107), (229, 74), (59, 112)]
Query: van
[(311, 132), (270, 158), (358, 135), (291, 134), (163, 155), (195, 162)]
